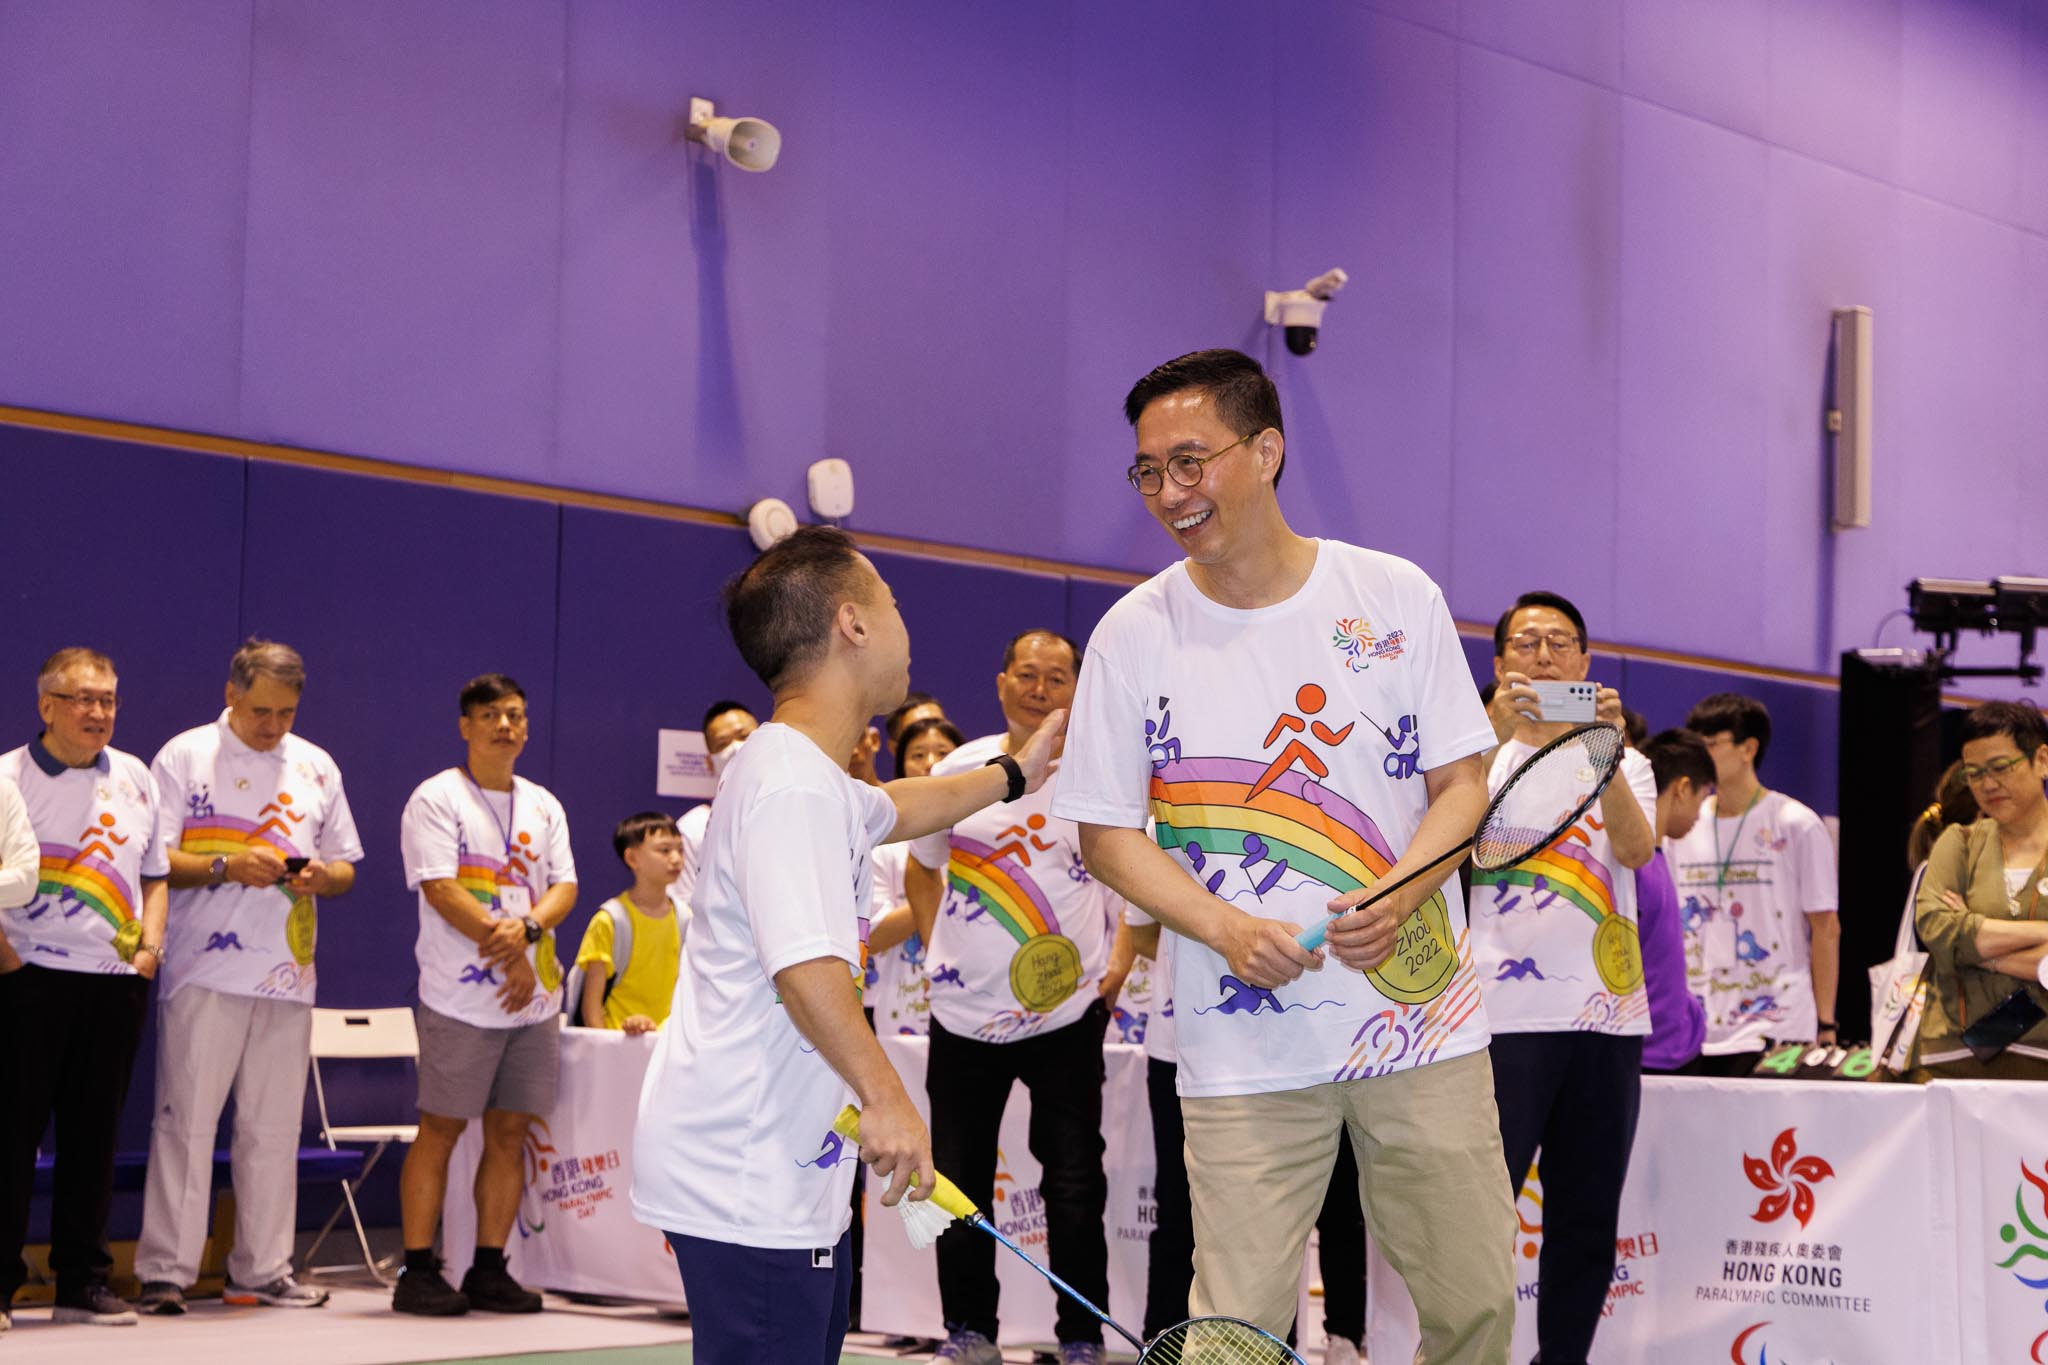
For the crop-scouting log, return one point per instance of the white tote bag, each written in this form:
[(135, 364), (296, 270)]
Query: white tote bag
[(1898, 990)]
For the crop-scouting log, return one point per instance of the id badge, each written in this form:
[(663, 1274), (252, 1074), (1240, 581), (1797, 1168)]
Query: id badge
[(514, 900)]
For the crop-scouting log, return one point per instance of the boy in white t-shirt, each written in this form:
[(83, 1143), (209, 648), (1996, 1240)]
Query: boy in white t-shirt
[(734, 1155), (1018, 939), (726, 727), (488, 852), (1758, 898), (1560, 961), (1299, 719)]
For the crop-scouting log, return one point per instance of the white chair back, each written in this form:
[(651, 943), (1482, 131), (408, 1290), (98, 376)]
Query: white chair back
[(365, 1033)]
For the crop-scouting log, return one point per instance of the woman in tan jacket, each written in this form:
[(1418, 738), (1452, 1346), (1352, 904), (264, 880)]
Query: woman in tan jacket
[(1983, 905)]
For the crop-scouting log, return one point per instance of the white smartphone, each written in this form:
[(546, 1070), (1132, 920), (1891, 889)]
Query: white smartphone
[(1575, 703)]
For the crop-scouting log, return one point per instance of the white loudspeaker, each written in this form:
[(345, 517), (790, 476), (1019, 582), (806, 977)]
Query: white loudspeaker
[(1849, 418), (831, 489), (752, 144), (769, 521)]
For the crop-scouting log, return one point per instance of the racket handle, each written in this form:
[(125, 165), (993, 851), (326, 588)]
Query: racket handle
[(945, 1193), (1312, 937)]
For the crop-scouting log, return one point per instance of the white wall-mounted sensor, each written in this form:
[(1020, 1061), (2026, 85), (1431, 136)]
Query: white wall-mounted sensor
[(770, 520), (831, 486), (752, 144), (1299, 312)]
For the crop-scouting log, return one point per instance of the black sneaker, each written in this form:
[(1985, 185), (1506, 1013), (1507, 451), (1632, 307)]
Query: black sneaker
[(495, 1291), (427, 1293), (161, 1297), (96, 1304)]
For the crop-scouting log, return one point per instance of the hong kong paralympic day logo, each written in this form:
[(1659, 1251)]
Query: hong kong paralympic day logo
[(2029, 1254), (1738, 1350), (1787, 1180)]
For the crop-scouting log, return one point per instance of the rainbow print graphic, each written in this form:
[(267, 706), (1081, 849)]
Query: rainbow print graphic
[(480, 874), (1046, 970), (84, 878), (225, 836), (1200, 806), (1568, 870)]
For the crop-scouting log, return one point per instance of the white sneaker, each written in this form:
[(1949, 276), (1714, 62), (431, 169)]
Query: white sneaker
[(282, 1292), (1338, 1351)]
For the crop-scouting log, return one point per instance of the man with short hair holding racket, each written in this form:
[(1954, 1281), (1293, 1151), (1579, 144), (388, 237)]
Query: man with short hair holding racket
[(735, 1157), (1559, 957), (1299, 717)]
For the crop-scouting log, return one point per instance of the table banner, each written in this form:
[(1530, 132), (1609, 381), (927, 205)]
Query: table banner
[(1758, 1223), (900, 1286), (2000, 1132), (575, 1230)]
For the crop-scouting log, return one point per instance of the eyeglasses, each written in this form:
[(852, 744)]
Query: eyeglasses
[(1997, 767), (1186, 470), (1528, 642), (88, 701)]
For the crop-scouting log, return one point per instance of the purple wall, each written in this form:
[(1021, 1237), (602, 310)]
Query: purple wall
[(1594, 247)]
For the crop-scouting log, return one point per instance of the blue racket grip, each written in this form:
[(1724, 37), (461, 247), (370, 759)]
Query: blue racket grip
[(1312, 937)]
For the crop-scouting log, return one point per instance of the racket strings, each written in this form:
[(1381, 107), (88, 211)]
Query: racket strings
[(1523, 818), (1217, 1341)]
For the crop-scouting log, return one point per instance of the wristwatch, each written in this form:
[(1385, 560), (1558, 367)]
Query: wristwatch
[(1016, 774), (217, 870), (533, 929)]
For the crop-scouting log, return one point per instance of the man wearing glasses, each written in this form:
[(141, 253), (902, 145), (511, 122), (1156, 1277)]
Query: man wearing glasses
[(1560, 960), (91, 941), (489, 855), (1300, 720), (257, 828)]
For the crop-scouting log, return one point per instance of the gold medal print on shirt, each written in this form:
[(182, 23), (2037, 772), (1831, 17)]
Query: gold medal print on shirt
[(127, 939), (1422, 964), (544, 965), (300, 927), (1618, 954), (1045, 972)]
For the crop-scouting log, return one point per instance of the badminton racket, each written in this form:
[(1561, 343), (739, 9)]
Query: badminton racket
[(1198, 1341), (1568, 774)]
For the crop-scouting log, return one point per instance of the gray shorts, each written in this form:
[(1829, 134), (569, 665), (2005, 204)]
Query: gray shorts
[(465, 1070)]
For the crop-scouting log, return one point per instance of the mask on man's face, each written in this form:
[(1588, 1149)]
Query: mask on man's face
[(724, 756)]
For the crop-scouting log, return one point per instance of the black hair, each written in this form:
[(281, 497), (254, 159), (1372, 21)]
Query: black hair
[(1242, 393), (1742, 717), (2019, 721), (780, 611), (1536, 599), (1954, 804), (893, 725), (1678, 753), (1638, 726), (634, 829), (1010, 649), (719, 708), (485, 688), (1488, 690)]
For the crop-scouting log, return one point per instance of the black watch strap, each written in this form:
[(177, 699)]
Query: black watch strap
[(533, 929), (1013, 770)]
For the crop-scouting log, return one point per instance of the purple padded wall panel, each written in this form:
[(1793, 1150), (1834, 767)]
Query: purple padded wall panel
[(948, 163), (1538, 181), (1959, 103), (1088, 601), (960, 616), (641, 646), (2033, 119), (1693, 380), (1804, 721), (1708, 60), (123, 141), (404, 232), (1833, 242), (1581, 39), (693, 337), (1369, 414), (1167, 232), (1834, 83), (397, 594)]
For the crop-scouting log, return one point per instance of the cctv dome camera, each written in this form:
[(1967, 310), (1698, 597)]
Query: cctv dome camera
[(1299, 312)]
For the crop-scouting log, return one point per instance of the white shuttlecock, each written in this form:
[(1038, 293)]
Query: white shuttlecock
[(923, 1220)]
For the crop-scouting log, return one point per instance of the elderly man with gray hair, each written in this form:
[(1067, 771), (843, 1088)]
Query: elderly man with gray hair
[(258, 830)]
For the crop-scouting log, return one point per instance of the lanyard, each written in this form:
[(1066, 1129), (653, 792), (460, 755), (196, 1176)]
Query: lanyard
[(1734, 844), (506, 826)]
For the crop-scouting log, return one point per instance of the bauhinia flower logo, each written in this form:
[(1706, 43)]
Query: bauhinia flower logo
[(1787, 1181)]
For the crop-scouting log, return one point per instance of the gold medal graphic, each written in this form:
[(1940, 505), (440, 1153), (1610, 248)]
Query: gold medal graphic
[(300, 927), (127, 939), (544, 965), (1422, 963), (1618, 954), (1044, 972)]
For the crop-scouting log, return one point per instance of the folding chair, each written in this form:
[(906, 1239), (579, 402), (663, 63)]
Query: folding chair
[(358, 1035)]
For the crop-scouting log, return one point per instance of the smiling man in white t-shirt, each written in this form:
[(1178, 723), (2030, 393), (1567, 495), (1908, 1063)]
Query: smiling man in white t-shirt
[(734, 1155), (1298, 717)]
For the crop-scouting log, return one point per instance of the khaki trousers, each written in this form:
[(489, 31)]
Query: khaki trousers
[(1429, 1177)]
